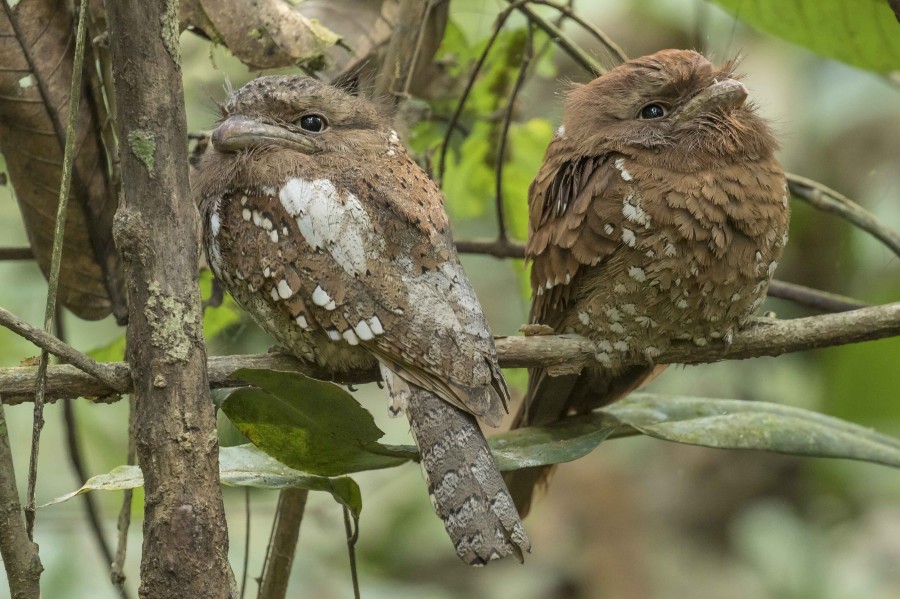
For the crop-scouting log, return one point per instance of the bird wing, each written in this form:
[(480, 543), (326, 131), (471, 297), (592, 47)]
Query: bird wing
[(365, 256), (576, 214)]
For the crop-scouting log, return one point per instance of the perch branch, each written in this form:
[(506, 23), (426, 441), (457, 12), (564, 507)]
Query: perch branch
[(557, 352), (64, 352)]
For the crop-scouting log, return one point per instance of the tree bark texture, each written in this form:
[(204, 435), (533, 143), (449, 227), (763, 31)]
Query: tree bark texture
[(157, 230)]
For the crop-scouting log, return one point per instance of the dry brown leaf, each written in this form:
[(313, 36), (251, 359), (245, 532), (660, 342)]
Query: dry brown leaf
[(37, 45), (307, 32)]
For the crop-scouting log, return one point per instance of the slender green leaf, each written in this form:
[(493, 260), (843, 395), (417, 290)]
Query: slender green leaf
[(864, 33), (554, 444), (733, 424), (241, 466), (310, 425)]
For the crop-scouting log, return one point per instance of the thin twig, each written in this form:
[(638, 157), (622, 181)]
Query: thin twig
[(70, 355), (565, 42), (76, 460), (826, 199), (23, 253), (775, 338), (816, 299), (498, 26), (352, 537), (608, 44), (282, 543), (527, 55), (117, 570), (246, 540), (55, 261)]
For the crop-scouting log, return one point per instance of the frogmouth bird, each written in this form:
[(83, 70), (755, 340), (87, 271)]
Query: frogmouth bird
[(658, 215), (336, 242)]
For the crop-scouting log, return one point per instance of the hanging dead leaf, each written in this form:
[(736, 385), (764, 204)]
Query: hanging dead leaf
[(37, 46), (336, 38)]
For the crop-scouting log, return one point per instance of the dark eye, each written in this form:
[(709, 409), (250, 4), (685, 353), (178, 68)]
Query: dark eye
[(653, 111), (314, 123)]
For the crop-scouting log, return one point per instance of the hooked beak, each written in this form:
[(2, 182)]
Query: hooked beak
[(239, 133), (728, 93)]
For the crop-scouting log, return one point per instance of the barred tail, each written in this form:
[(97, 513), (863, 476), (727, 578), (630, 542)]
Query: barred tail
[(466, 488)]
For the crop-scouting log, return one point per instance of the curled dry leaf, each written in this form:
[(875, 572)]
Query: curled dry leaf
[(37, 45), (280, 33)]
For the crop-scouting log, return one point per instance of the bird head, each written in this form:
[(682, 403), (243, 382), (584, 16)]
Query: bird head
[(298, 114), (674, 102)]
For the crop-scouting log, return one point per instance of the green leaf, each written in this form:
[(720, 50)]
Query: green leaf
[(310, 425), (734, 424), (248, 466), (554, 444), (241, 466), (864, 33)]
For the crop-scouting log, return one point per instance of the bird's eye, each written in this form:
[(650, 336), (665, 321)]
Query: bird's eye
[(653, 111), (314, 123)]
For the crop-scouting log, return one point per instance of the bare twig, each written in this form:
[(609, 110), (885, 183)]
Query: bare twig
[(776, 337), (247, 520), (565, 42), (822, 301), (498, 248), (19, 553), (66, 353), (283, 543), (352, 537), (614, 50), (498, 26), (117, 570), (76, 460), (527, 55), (824, 198), (55, 262), (23, 253)]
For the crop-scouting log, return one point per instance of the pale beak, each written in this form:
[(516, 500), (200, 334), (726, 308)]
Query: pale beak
[(728, 93), (239, 133)]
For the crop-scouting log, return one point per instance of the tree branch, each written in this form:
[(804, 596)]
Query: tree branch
[(555, 352), (283, 544), (63, 351), (20, 555)]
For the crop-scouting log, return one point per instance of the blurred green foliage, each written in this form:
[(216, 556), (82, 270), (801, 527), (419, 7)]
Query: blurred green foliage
[(863, 33)]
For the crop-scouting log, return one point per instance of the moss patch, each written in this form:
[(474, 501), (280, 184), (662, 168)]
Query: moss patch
[(143, 145)]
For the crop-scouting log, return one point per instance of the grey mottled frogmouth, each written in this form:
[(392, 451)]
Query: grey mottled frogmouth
[(334, 240)]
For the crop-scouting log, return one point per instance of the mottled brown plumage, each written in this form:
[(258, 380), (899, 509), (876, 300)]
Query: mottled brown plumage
[(659, 214), (336, 242)]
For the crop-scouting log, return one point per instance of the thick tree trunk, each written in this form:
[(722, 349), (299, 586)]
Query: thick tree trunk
[(157, 230)]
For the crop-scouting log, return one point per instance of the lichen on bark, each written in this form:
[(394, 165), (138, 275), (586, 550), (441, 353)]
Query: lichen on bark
[(173, 323)]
